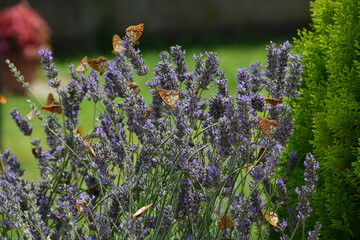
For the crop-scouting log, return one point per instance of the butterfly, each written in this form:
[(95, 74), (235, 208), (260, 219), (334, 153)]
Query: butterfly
[(273, 101), (226, 222), (3, 100), (87, 141), (93, 154), (170, 97), (262, 154), (267, 126), (118, 45), (80, 206), (271, 217), (148, 113), (248, 166), (35, 153), (99, 64), (141, 211), (83, 65), (134, 32), (30, 115), (52, 105), (134, 87)]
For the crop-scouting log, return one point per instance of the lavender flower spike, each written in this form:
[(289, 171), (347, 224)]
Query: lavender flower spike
[(314, 235), (135, 58), (49, 67), (21, 122), (310, 176), (179, 60)]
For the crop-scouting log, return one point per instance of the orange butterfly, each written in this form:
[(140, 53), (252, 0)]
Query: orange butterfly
[(83, 65), (273, 101), (134, 87), (262, 154), (3, 100), (226, 222), (134, 32), (248, 166), (141, 211), (35, 152), (99, 64), (170, 97), (87, 142), (30, 115), (79, 207), (52, 105), (148, 112), (267, 126), (118, 45), (93, 154), (271, 217)]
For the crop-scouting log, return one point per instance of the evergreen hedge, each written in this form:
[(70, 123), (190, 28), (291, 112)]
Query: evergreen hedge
[(327, 114)]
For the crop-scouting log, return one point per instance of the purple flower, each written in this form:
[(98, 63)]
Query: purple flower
[(94, 89), (179, 60), (167, 217), (283, 193), (135, 110), (284, 130), (291, 163), (303, 205), (223, 146), (206, 70), (49, 67), (256, 203), (310, 176), (189, 200), (71, 97), (242, 215), (54, 138), (277, 68), (315, 234), (13, 165), (135, 58), (21, 121), (213, 176), (116, 77), (165, 75), (293, 79)]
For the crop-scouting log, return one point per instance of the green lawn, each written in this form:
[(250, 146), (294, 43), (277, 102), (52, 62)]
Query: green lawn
[(231, 57)]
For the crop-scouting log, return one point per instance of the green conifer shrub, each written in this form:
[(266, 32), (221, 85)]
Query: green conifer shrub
[(328, 112)]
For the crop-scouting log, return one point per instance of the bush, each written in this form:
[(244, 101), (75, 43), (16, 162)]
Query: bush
[(181, 167), (327, 113)]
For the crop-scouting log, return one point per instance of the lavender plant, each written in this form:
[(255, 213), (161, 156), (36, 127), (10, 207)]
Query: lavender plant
[(180, 167)]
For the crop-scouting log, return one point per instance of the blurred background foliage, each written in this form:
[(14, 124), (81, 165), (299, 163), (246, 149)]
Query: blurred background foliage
[(237, 30)]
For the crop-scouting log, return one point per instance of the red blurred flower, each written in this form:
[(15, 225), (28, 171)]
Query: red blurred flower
[(22, 29)]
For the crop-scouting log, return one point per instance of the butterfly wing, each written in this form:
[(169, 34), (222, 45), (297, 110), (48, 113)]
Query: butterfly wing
[(118, 45), (99, 64), (133, 86), (139, 212), (170, 97), (54, 108), (134, 32), (30, 115), (273, 101), (271, 217), (82, 67), (51, 99), (3, 100), (226, 222), (267, 126), (148, 112)]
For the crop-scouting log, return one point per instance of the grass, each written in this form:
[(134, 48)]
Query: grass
[(231, 57)]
